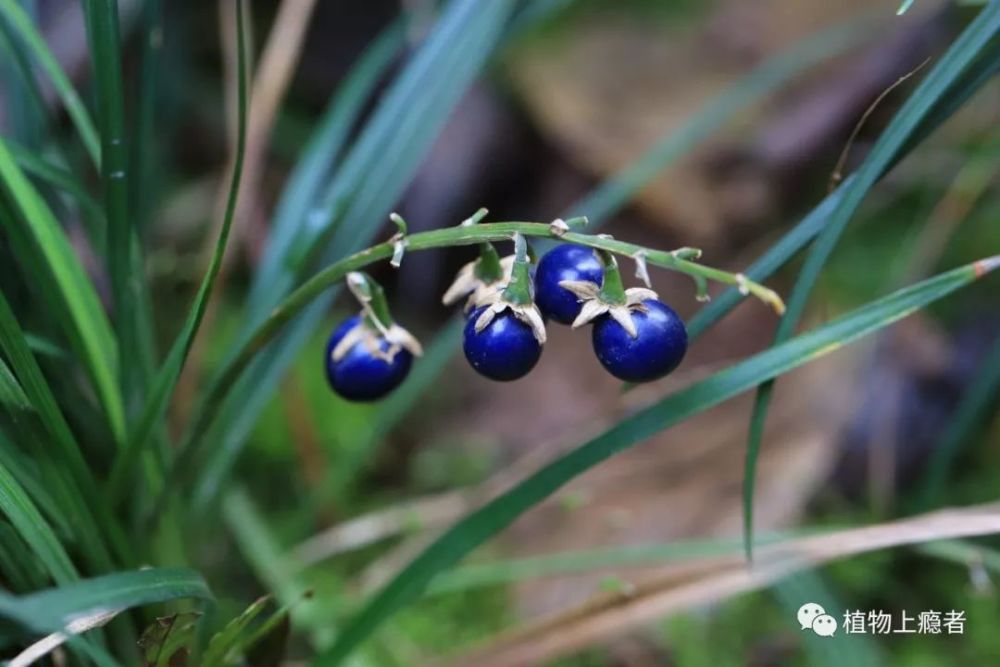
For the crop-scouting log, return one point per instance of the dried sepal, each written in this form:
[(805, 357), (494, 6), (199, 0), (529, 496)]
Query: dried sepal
[(527, 313), (397, 335), (634, 296), (558, 227), (623, 316), (641, 268), (363, 333), (467, 283), (351, 338), (592, 306), (583, 289)]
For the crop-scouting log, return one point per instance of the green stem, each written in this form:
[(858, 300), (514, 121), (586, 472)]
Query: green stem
[(518, 291), (371, 295), (488, 267), (612, 287), (298, 300)]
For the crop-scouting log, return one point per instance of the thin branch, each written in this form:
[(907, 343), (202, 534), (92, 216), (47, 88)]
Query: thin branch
[(838, 171)]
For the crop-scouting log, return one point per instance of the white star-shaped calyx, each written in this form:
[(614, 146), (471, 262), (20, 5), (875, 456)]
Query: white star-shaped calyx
[(589, 295), (365, 334), (527, 313), (467, 283)]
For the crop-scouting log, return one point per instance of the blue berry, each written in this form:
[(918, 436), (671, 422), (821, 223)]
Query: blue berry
[(564, 262), (505, 350), (361, 375), (656, 350)]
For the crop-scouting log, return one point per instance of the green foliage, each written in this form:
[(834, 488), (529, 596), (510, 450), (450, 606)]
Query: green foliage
[(955, 64), (96, 484)]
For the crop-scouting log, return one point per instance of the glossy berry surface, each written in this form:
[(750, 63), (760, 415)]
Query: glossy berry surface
[(505, 350), (564, 262), (360, 375), (656, 350)]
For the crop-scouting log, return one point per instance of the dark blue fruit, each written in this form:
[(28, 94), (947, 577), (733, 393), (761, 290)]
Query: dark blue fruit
[(361, 375), (564, 262), (656, 350), (505, 350)]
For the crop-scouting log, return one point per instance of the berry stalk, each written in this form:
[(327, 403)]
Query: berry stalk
[(466, 234)]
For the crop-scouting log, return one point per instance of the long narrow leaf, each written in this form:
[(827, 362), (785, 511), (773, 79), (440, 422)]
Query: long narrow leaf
[(34, 529), (73, 503), (58, 177), (499, 513), (25, 103), (965, 51), (166, 378), (799, 236), (62, 282), (50, 610), (123, 252), (75, 108)]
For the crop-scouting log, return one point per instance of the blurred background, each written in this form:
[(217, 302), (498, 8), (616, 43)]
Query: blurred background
[(750, 105)]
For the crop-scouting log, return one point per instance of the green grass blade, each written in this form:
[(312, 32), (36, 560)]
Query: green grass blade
[(272, 568), (50, 610), (20, 574), (26, 472), (973, 409), (499, 513), (76, 506), (59, 178), (965, 51), (572, 562), (26, 108), (37, 391), (166, 379), (144, 149), (121, 248), (34, 529), (963, 552), (22, 23), (37, 237), (14, 345), (225, 644), (800, 235)]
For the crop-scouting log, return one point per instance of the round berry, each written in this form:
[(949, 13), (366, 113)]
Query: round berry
[(656, 350), (361, 375), (564, 262), (505, 350)]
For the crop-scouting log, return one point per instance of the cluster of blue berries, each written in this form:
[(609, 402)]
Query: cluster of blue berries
[(636, 337), (507, 302)]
